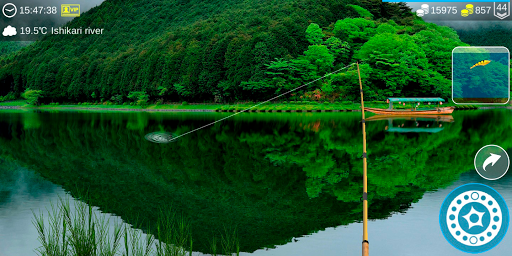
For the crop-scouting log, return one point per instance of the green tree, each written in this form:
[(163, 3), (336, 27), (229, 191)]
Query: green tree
[(386, 28), (397, 62), (361, 11), (320, 57), (140, 98), (32, 96), (118, 99), (339, 49), (314, 34), (438, 48), (354, 31)]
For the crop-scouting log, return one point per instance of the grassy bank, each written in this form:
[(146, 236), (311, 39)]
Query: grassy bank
[(82, 231), (292, 106)]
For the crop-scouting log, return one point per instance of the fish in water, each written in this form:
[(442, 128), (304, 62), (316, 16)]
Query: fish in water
[(481, 63)]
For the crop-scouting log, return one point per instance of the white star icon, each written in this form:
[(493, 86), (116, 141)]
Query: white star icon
[(479, 214)]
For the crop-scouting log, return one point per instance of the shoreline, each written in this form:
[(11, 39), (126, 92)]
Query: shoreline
[(281, 108), (120, 109), (179, 110)]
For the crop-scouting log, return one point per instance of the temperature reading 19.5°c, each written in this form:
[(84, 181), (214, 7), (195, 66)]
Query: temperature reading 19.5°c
[(34, 30), (444, 10)]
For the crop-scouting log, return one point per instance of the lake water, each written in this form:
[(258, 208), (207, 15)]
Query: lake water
[(289, 183)]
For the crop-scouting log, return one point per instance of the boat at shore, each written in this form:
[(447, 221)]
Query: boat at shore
[(412, 111), (436, 111)]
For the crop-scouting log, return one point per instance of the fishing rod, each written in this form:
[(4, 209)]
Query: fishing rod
[(366, 244)]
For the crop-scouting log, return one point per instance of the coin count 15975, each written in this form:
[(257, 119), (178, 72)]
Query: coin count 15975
[(38, 10), (443, 10)]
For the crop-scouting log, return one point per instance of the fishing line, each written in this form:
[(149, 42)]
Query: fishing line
[(220, 120)]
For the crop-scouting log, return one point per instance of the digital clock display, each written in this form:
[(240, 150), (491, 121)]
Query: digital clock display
[(38, 10)]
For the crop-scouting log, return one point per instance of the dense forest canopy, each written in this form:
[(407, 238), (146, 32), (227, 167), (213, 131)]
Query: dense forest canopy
[(10, 47), (491, 36), (235, 50)]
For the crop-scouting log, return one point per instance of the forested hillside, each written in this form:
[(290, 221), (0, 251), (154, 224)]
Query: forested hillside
[(498, 36), (172, 50), (10, 47)]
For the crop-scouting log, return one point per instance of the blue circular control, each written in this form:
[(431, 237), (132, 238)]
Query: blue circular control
[(474, 218)]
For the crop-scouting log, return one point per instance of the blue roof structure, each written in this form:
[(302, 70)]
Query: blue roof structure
[(416, 100)]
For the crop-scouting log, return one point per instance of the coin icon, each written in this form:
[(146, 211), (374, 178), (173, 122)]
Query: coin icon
[(469, 7), (424, 7), (474, 218)]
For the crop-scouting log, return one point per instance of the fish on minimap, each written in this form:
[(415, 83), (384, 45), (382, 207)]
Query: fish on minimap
[(481, 63)]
